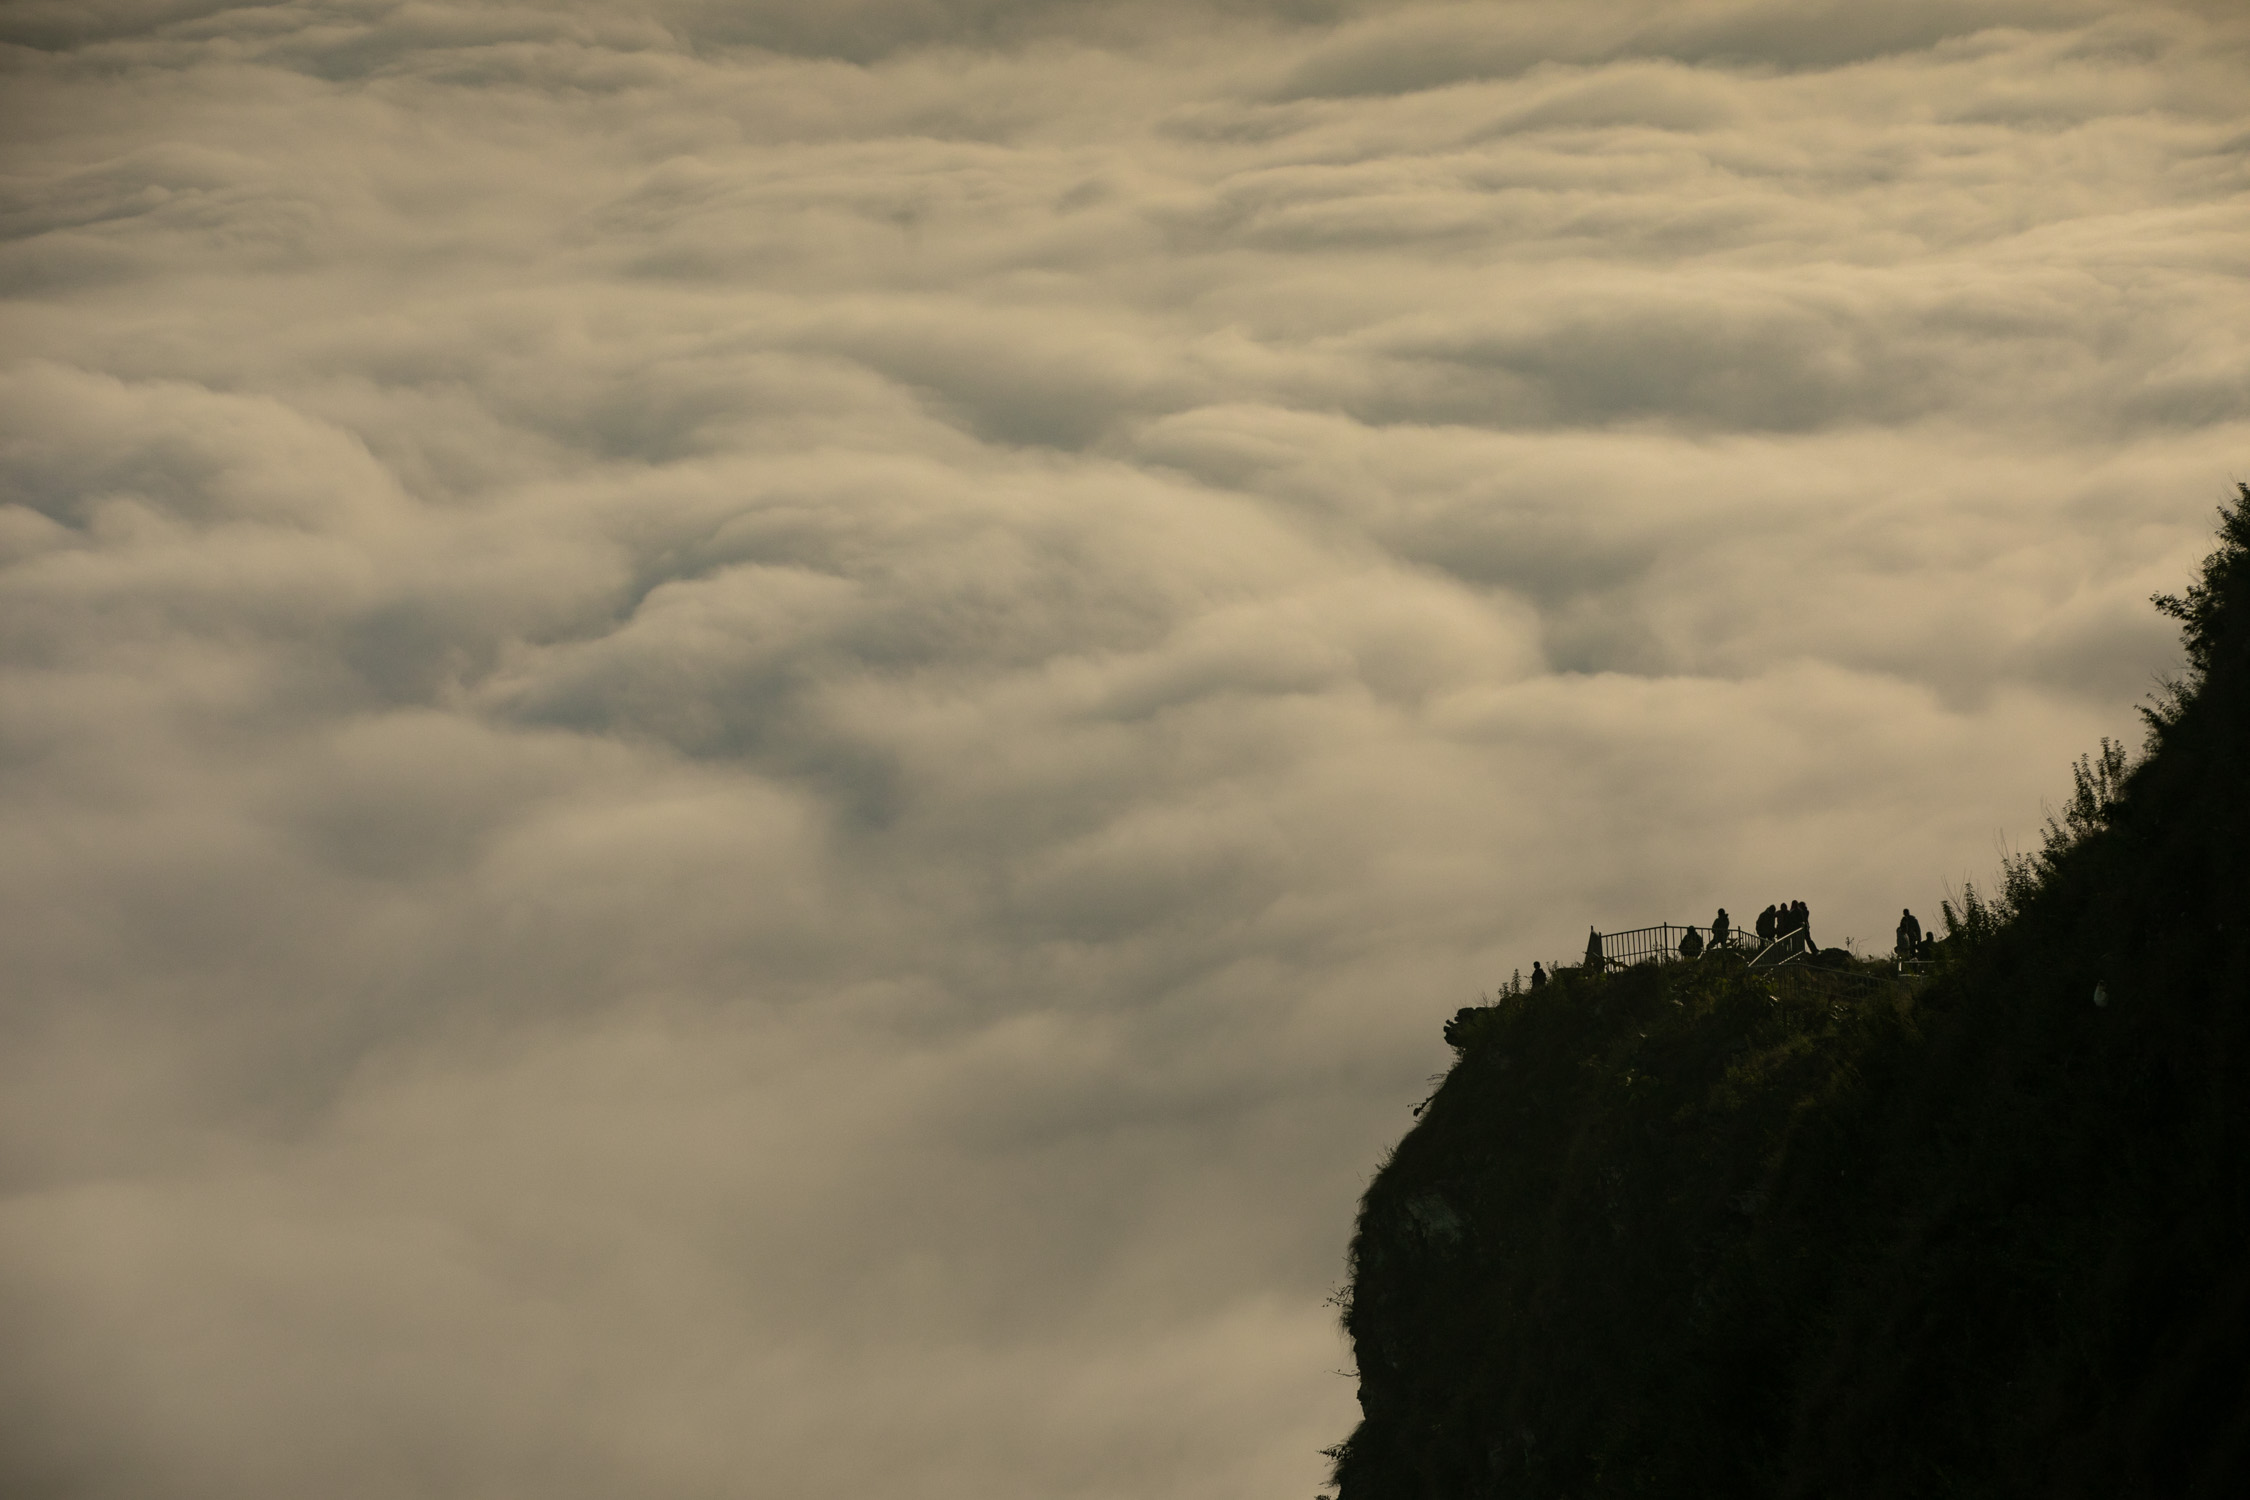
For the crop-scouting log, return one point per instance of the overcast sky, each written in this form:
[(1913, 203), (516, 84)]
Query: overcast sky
[(748, 747)]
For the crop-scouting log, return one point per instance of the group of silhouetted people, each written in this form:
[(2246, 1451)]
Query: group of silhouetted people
[(1778, 921), (1776, 924), (1913, 942), (1722, 936)]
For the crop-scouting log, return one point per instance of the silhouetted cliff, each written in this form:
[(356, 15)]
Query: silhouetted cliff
[(1691, 1231)]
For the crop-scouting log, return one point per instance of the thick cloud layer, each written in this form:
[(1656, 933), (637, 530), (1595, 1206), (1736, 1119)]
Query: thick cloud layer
[(748, 747)]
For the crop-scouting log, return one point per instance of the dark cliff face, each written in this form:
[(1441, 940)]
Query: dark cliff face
[(1692, 1231)]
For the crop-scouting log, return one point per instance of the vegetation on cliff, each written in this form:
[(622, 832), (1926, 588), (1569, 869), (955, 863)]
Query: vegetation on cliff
[(1691, 1230)]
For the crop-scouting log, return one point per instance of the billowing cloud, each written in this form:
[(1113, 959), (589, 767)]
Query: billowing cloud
[(748, 747)]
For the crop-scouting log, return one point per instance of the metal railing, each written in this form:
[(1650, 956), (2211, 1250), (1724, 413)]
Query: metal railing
[(1786, 948), (1661, 944), (1789, 953)]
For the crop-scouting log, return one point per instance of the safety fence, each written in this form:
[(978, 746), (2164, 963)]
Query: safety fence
[(1787, 948), (1788, 956), (1663, 944)]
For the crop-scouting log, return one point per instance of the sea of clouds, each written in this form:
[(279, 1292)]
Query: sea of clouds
[(747, 748)]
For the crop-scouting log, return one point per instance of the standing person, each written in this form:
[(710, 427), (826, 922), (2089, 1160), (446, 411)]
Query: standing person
[(1909, 934), (1801, 919), (1767, 930), (1538, 976), (1722, 931), (1593, 951)]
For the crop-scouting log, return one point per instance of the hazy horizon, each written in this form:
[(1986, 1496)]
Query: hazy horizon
[(749, 749)]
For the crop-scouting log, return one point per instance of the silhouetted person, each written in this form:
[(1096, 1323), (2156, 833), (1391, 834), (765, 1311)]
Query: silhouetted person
[(1593, 951), (1800, 920), (1691, 944), (1927, 948), (1768, 926), (1722, 931), (1538, 976), (1909, 933)]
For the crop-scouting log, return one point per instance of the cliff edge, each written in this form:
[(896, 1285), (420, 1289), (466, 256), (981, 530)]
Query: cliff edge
[(1690, 1229)]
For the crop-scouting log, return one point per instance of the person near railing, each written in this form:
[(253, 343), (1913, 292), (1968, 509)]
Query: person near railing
[(1800, 921), (1722, 931), (1691, 944), (1769, 924), (1593, 951)]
